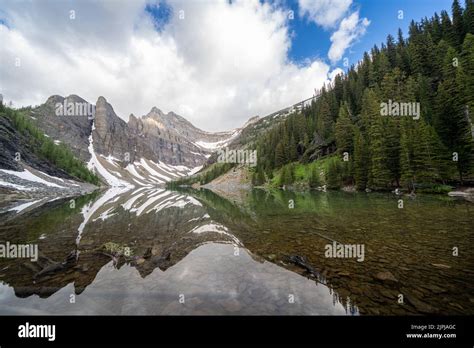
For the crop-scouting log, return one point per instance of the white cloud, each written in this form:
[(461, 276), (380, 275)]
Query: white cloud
[(220, 65), (350, 30), (334, 73), (325, 13)]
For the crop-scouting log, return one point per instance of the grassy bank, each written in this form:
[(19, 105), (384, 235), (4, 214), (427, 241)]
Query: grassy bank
[(329, 172)]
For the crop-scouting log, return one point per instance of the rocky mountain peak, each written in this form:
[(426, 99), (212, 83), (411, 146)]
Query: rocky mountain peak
[(155, 110), (54, 99), (132, 120), (251, 120), (101, 101), (109, 144)]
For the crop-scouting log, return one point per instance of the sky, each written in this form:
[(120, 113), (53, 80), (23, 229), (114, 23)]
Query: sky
[(215, 62)]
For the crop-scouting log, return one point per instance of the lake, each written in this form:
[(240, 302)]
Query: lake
[(196, 252)]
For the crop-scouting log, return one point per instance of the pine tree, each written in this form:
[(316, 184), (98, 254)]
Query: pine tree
[(391, 51), (401, 41), (280, 158), (392, 147), (258, 177), (314, 178), (451, 122), (469, 16), (333, 173), (466, 74), (406, 154), (436, 33), (392, 85), (344, 131), (370, 109), (424, 156), (325, 122), (381, 66), (380, 175), (403, 59), (361, 161), (384, 149), (292, 150), (286, 175), (458, 25), (447, 29)]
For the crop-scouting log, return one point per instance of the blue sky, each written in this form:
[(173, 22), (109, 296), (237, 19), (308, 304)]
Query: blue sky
[(219, 65), (311, 40)]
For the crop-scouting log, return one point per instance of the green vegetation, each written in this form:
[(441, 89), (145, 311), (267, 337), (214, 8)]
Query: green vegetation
[(287, 176), (332, 172), (430, 148), (210, 173), (258, 177), (301, 174), (57, 213), (314, 179), (59, 155)]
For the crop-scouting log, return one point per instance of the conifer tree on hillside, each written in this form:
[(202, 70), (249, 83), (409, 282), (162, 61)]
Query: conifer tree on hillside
[(344, 131), (314, 178), (325, 120), (466, 74), (379, 174), (361, 161), (433, 66), (459, 29), (334, 173), (451, 122), (469, 16)]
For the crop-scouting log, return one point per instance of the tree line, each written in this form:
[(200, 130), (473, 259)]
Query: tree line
[(59, 155), (434, 69)]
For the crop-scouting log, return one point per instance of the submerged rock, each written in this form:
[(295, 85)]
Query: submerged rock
[(420, 305), (301, 262), (440, 265), (386, 276)]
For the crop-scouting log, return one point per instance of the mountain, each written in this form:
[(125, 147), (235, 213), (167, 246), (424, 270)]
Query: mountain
[(244, 138), (33, 169), (180, 231), (347, 137), (145, 151), (148, 150)]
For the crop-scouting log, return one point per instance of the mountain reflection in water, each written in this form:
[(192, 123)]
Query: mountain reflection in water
[(180, 261), (154, 251)]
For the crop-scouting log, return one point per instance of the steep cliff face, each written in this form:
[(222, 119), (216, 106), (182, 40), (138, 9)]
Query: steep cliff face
[(147, 150), (17, 149), (110, 133), (158, 140), (28, 177), (73, 130)]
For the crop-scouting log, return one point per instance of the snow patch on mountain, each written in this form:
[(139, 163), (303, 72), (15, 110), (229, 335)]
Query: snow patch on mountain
[(96, 166), (218, 144)]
